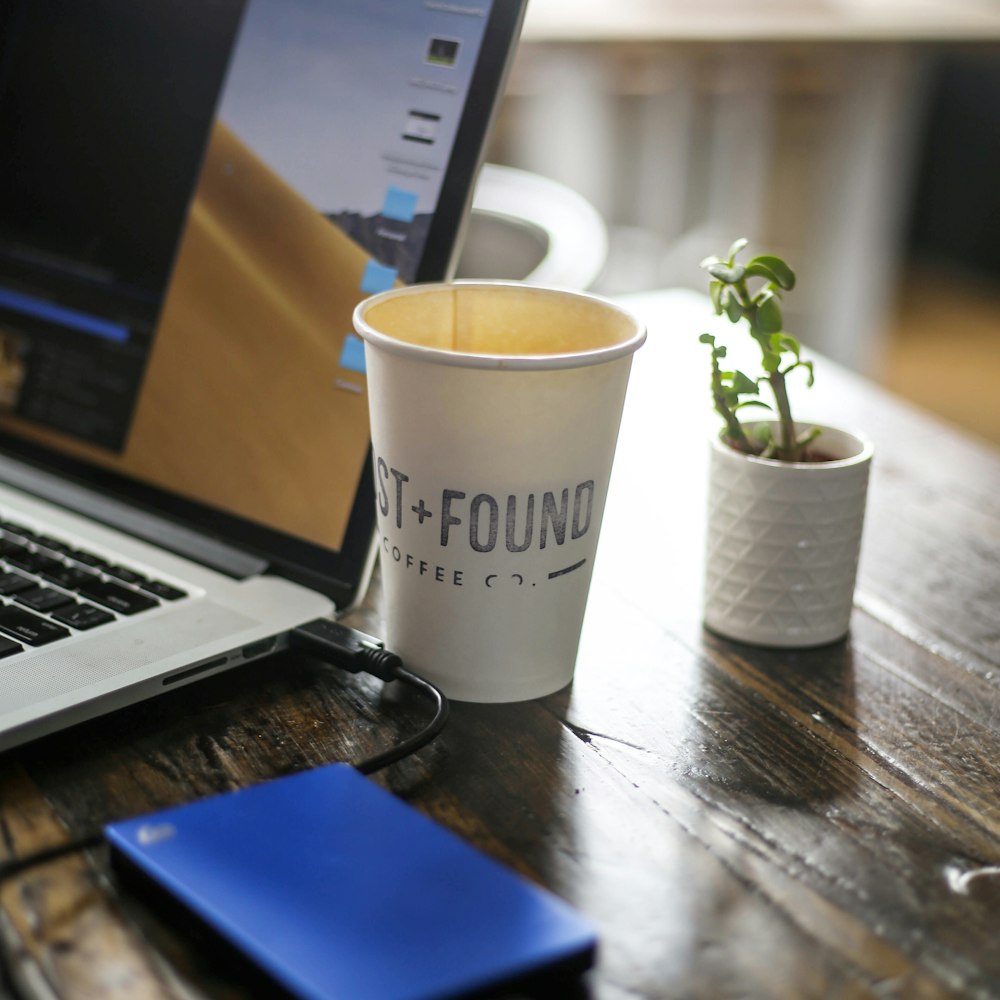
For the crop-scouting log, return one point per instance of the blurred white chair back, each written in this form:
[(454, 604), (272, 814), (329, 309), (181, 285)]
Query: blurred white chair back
[(529, 228)]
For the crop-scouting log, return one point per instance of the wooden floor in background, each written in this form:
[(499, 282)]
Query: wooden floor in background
[(943, 351)]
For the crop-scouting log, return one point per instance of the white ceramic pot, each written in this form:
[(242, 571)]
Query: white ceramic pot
[(783, 543)]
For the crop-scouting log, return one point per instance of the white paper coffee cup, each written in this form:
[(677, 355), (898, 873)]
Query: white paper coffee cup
[(494, 416)]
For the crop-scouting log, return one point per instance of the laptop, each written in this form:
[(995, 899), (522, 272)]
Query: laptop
[(193, 197)]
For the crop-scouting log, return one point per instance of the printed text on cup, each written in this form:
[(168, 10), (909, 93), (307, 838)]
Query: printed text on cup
[(482, 523)]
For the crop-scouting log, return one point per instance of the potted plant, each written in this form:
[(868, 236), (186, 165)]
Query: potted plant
[(786, 499)]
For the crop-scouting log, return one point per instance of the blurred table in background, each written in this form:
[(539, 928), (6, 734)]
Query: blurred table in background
[(690, 124), (761, 20)]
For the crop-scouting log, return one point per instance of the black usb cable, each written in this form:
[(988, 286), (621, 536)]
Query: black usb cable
[(351, 650), (332, 643)]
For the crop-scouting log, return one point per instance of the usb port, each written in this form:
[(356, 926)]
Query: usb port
[(258, 648)]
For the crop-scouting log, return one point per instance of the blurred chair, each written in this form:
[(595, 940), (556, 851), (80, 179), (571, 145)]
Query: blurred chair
[(526, 227)]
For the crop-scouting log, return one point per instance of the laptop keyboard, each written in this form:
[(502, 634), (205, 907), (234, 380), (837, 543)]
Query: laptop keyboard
[(50, 589)]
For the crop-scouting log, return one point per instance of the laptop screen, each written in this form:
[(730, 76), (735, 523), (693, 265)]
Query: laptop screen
[(193, 198)]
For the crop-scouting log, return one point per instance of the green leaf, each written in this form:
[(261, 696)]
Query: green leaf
[(743, 383), (730, 275), (732, 306), (774, 269), (737, 246), (709, 261), (786, 342), (715, 291), (706, 338), (752, 402), (770, 361), (755, 269), (768, 314), (777, 344)]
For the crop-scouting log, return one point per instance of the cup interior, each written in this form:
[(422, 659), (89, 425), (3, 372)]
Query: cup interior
[(498, 320)]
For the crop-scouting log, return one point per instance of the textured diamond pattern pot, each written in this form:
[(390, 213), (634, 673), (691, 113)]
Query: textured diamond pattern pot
[(783, 543)]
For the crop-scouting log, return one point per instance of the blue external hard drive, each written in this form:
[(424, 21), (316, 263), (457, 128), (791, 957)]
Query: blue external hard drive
[(337, 890)]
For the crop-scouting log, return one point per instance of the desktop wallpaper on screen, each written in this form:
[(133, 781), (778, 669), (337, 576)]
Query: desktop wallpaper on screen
[(192, 203)]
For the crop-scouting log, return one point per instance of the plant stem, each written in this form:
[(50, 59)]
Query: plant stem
[(735, 434), (734, 430), (789, 448)]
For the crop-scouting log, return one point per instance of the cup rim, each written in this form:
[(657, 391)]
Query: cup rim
[(498, 362)]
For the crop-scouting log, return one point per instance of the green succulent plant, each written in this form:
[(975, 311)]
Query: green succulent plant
[(781, 354)]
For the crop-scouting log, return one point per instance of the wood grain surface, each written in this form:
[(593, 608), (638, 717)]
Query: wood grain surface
[(738, 822)]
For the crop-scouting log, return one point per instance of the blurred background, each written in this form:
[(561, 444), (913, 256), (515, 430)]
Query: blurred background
[(858, 138)]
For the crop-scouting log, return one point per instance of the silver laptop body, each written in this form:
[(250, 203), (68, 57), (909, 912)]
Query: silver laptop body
[(184, 463)]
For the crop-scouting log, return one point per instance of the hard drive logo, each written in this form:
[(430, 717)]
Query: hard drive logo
[(155, 833)]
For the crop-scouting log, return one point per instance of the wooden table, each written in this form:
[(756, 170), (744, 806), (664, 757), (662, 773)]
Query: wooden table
[(725, 20), (738, 822)]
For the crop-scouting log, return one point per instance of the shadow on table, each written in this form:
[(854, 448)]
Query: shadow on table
[(784, 722)]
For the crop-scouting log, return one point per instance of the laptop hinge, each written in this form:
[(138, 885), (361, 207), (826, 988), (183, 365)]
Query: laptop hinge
[(149, 527)]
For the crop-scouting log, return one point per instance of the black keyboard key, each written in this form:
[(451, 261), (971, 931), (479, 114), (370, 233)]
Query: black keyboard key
[(83, 616), (43, 599), (70, 577), (88, 558), (116, 597), (34, 562), (125, 574), (9, 548), (12, 583), (17, 529), (52, 544), (163, 590), (30, 628), (8, 647)]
